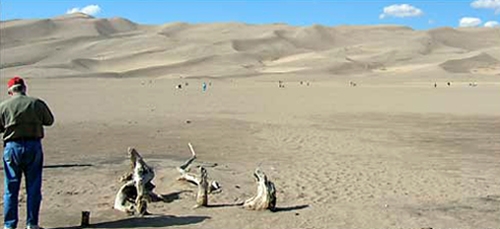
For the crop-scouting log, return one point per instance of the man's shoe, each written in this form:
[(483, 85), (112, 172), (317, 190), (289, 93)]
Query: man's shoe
[(8, 227), (32, 227)]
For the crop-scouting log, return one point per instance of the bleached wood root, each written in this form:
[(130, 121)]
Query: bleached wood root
[(266, 194), (125, 198), (134, 195), (193, 178), (202, 195)]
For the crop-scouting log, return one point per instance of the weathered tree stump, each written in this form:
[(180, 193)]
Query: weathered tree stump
[(266, 194), (202, 195), (133, 196)]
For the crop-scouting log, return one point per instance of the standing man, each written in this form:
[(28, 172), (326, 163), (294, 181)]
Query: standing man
[(21, 121)]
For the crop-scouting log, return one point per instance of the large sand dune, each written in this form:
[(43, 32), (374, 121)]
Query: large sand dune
[(392, 152), (78, 44)]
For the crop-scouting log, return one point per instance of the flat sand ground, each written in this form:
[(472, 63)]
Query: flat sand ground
[(380, 155)]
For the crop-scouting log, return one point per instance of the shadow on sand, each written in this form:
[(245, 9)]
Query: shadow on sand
[(171, 197), (65, 166), (225, 205), (291, 208), (150, 221), (277, 209)]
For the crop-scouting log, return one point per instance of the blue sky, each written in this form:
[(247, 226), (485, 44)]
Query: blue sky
[(422, 14)]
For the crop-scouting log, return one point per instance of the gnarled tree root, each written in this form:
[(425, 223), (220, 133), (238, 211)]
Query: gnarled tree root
[(266, 194), (133, 196)]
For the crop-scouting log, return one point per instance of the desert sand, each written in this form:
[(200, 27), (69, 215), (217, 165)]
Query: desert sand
[(391, 152)]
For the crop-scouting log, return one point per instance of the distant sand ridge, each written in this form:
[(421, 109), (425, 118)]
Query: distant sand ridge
[(80, 45)]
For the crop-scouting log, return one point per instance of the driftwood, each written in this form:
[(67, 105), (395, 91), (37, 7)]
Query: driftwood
[(202, 195), (134, 195), (266, 194), (196, 179)]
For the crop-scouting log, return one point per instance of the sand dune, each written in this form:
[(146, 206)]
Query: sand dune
[(77, 25), (85, 45), (465, 65), (392, 152), (467, 39)]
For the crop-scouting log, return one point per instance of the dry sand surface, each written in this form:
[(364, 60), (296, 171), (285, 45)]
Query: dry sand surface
[(392, 152)]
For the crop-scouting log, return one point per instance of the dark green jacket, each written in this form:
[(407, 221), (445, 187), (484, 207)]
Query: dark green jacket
[(22, 116)]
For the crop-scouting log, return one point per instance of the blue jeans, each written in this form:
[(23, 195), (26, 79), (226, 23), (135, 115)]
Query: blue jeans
[(23, 156)]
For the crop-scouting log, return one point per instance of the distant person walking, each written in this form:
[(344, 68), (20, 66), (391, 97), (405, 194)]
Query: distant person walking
[(21, 121), (204, 86)]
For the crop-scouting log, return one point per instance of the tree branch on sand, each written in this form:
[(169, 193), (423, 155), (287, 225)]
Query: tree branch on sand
[(193, 178)]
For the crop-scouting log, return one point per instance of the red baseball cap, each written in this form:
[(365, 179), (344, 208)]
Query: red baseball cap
[(15, 81)]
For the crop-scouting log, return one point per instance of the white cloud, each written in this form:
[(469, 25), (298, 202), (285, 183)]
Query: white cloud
[(401, 10), (470, 22), (89, 10), (487, 4), (492, 24), (74, 10), (431, 22)]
